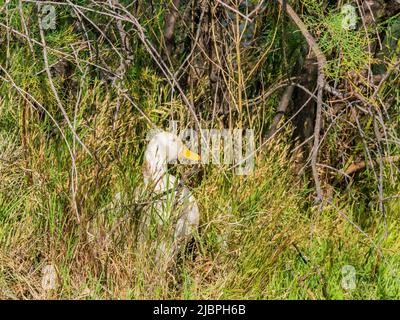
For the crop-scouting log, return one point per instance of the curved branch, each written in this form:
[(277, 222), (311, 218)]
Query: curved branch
[(320, 83)]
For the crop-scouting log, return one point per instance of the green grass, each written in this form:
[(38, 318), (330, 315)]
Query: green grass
[(261, 236)]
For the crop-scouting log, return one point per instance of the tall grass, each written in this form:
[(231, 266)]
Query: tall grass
[(260, 237)]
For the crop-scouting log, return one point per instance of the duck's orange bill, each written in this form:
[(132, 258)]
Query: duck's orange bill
[(187, 154)]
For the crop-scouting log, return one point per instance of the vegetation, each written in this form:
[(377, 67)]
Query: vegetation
[(76, 103)]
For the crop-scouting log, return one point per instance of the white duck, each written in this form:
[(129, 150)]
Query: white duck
[(177, 213)]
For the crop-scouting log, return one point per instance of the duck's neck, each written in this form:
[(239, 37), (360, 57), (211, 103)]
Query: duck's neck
[(155, 165)]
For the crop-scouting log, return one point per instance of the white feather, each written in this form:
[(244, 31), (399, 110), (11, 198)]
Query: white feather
[(176, 208)]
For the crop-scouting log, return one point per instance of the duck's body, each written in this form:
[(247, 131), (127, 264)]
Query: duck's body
[(175, 209)]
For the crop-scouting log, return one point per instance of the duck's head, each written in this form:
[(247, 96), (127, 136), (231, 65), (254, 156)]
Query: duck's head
[(168, 147)]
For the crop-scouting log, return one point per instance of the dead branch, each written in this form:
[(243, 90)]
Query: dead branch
[(283, 104), (170, 21), (357, 166), (320, 83)]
